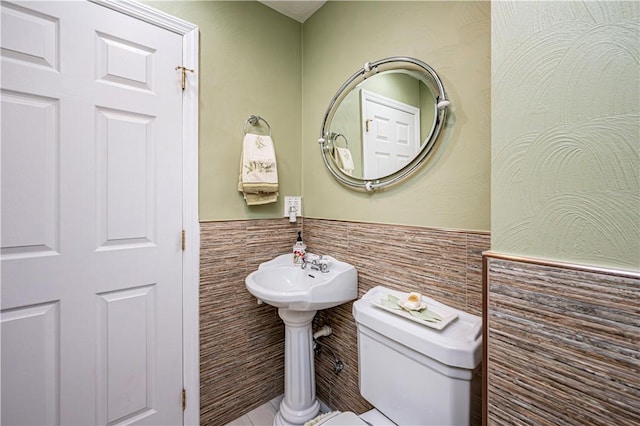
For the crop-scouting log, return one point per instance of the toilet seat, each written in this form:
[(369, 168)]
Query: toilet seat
[(338, 419)]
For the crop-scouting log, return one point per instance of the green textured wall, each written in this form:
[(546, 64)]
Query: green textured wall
[(453, 190), (254, 61), (566, 131), (250, 63)]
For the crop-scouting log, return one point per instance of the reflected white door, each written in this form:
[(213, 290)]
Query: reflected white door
[(91, 217), (391, 134)]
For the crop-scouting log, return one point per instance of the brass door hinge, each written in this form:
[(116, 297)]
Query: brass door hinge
[(184, 240), (184, 399), (184, 75)]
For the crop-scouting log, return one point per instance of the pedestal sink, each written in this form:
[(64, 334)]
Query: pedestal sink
[(298, 294)]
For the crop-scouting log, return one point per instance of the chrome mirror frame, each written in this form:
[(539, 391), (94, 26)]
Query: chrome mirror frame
[(368, 70)]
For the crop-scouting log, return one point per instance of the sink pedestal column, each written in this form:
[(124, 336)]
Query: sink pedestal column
[(299, 404)]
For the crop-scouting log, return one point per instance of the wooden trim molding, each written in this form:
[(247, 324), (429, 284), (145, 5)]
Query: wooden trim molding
[(148, 14), (562, 265), (485, 340)]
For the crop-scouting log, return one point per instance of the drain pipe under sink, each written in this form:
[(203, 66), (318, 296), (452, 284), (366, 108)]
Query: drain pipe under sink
[(338, 366), (324, 331)]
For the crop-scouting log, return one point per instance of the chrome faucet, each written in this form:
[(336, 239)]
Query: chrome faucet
[(317, 262)]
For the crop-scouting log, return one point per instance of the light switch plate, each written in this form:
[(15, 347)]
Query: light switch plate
[(296, 202)]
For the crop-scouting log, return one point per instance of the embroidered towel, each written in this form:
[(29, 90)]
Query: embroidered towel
[(344, 160), (258, 178)]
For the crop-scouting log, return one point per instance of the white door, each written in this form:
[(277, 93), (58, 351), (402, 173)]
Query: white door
[(391, 134), (91, 217)]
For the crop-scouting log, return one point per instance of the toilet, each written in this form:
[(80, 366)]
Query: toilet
[(411, 373)]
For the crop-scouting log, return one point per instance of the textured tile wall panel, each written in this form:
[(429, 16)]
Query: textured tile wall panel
[(445, 265), (241, 343), (564, 345)]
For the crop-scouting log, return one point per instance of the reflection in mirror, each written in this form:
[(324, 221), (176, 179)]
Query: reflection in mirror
[(383, 122), (390, 113)]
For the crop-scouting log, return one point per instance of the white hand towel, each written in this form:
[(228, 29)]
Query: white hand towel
[(344, 160), (258, 178)]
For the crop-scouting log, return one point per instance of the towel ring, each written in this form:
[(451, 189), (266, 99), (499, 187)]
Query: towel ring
[(254, 120), (337, 135), (333, 137)]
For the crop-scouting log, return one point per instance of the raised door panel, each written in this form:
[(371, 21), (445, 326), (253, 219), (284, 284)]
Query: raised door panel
[(126, 184), (124, 62), (30, 365), (30, 154), (405, 146), (38, 43), (127, 341)]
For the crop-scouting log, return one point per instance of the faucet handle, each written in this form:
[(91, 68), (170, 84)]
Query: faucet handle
[(324, 264), (310, 257)]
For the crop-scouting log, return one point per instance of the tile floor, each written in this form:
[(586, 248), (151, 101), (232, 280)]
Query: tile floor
[(264, 414), (261, 416)]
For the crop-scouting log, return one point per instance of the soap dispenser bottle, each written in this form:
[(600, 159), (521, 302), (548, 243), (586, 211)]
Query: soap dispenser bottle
[(299, 251)]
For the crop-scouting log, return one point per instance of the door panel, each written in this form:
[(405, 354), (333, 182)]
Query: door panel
[(38, 41), (91, 217), (30, 227), (126, 201), (36, 330), (123, 62), (126, 330)]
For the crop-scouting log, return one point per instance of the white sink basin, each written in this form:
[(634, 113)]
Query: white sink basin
[(281, 284)]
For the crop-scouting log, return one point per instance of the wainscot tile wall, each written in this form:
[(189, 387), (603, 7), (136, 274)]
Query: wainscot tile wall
[(242, 344), (564, 344), (445, 265)]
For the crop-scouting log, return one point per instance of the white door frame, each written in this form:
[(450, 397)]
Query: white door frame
[(191, 225)]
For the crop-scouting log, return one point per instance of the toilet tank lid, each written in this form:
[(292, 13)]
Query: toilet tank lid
[(459, 344)]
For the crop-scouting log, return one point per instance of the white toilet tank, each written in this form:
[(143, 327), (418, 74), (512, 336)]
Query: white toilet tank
[(414, 374)]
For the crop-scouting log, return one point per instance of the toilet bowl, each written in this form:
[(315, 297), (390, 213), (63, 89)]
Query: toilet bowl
[(412, 372)]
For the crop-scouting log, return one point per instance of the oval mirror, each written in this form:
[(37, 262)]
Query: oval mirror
[(383, 122)]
